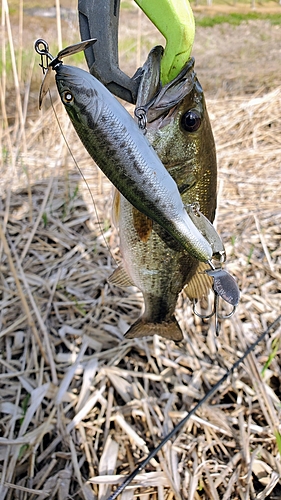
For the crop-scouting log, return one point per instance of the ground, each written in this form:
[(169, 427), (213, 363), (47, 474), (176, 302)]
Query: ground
[(79, 405)]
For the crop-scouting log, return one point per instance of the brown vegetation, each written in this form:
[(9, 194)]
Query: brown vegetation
[(79, 405)]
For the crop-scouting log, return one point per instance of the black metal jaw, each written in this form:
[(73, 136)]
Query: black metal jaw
[(99, 19)]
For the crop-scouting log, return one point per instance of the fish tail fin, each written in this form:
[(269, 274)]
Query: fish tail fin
[(167, 329)]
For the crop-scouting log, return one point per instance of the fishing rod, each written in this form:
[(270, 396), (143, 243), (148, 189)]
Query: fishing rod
[(128, 479)]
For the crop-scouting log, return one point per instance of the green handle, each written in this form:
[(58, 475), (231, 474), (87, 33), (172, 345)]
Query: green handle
[(174, 19)]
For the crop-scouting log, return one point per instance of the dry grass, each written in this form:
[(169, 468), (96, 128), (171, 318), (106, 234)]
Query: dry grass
[(79, 405)]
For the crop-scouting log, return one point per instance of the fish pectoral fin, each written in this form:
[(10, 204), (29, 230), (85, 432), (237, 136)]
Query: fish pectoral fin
[(120, 278), (198, 285), (167, 329), (116, 207)]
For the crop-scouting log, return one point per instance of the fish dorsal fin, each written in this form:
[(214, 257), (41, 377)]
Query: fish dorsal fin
[(198, 284), (120, 278)]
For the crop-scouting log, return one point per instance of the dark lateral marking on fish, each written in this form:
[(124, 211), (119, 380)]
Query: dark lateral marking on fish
[(109, 149), (142, 224), (137, 167), (104, 152), (149, 184)]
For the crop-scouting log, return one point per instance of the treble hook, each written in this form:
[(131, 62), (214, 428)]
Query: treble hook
[(215, 312), (219, 316), (201, 316), (224, 286)]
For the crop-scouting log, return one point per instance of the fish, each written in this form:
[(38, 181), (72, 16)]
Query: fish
[(118, 146), (179, 129)]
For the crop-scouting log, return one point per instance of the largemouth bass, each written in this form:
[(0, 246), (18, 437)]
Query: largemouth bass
[(115, 142), (179, 129)]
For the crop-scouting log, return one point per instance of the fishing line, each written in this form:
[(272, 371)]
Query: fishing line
[(207, 396), (83, 177)]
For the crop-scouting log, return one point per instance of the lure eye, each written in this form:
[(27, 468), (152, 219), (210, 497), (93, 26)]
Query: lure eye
[(191, 121), (67, 97)]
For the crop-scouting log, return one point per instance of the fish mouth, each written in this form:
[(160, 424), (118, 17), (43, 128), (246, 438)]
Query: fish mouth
[(163, 105), (162, 119)]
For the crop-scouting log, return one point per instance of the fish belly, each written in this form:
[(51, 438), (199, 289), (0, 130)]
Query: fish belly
[(158, 266)]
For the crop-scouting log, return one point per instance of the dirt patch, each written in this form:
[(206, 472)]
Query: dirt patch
[(245, 8), (238, 60)]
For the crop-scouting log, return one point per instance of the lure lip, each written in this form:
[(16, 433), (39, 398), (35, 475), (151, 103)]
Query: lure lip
[(56, 62), (207, 229)]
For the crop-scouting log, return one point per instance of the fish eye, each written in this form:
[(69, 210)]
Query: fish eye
[(191, 120), (67, 96)]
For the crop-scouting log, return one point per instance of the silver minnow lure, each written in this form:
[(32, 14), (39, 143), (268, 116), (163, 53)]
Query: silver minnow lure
[(116, 144)]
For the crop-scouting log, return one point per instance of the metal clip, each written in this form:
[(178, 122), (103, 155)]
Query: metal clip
[(141, 115), (55, 61), (42, 48)]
